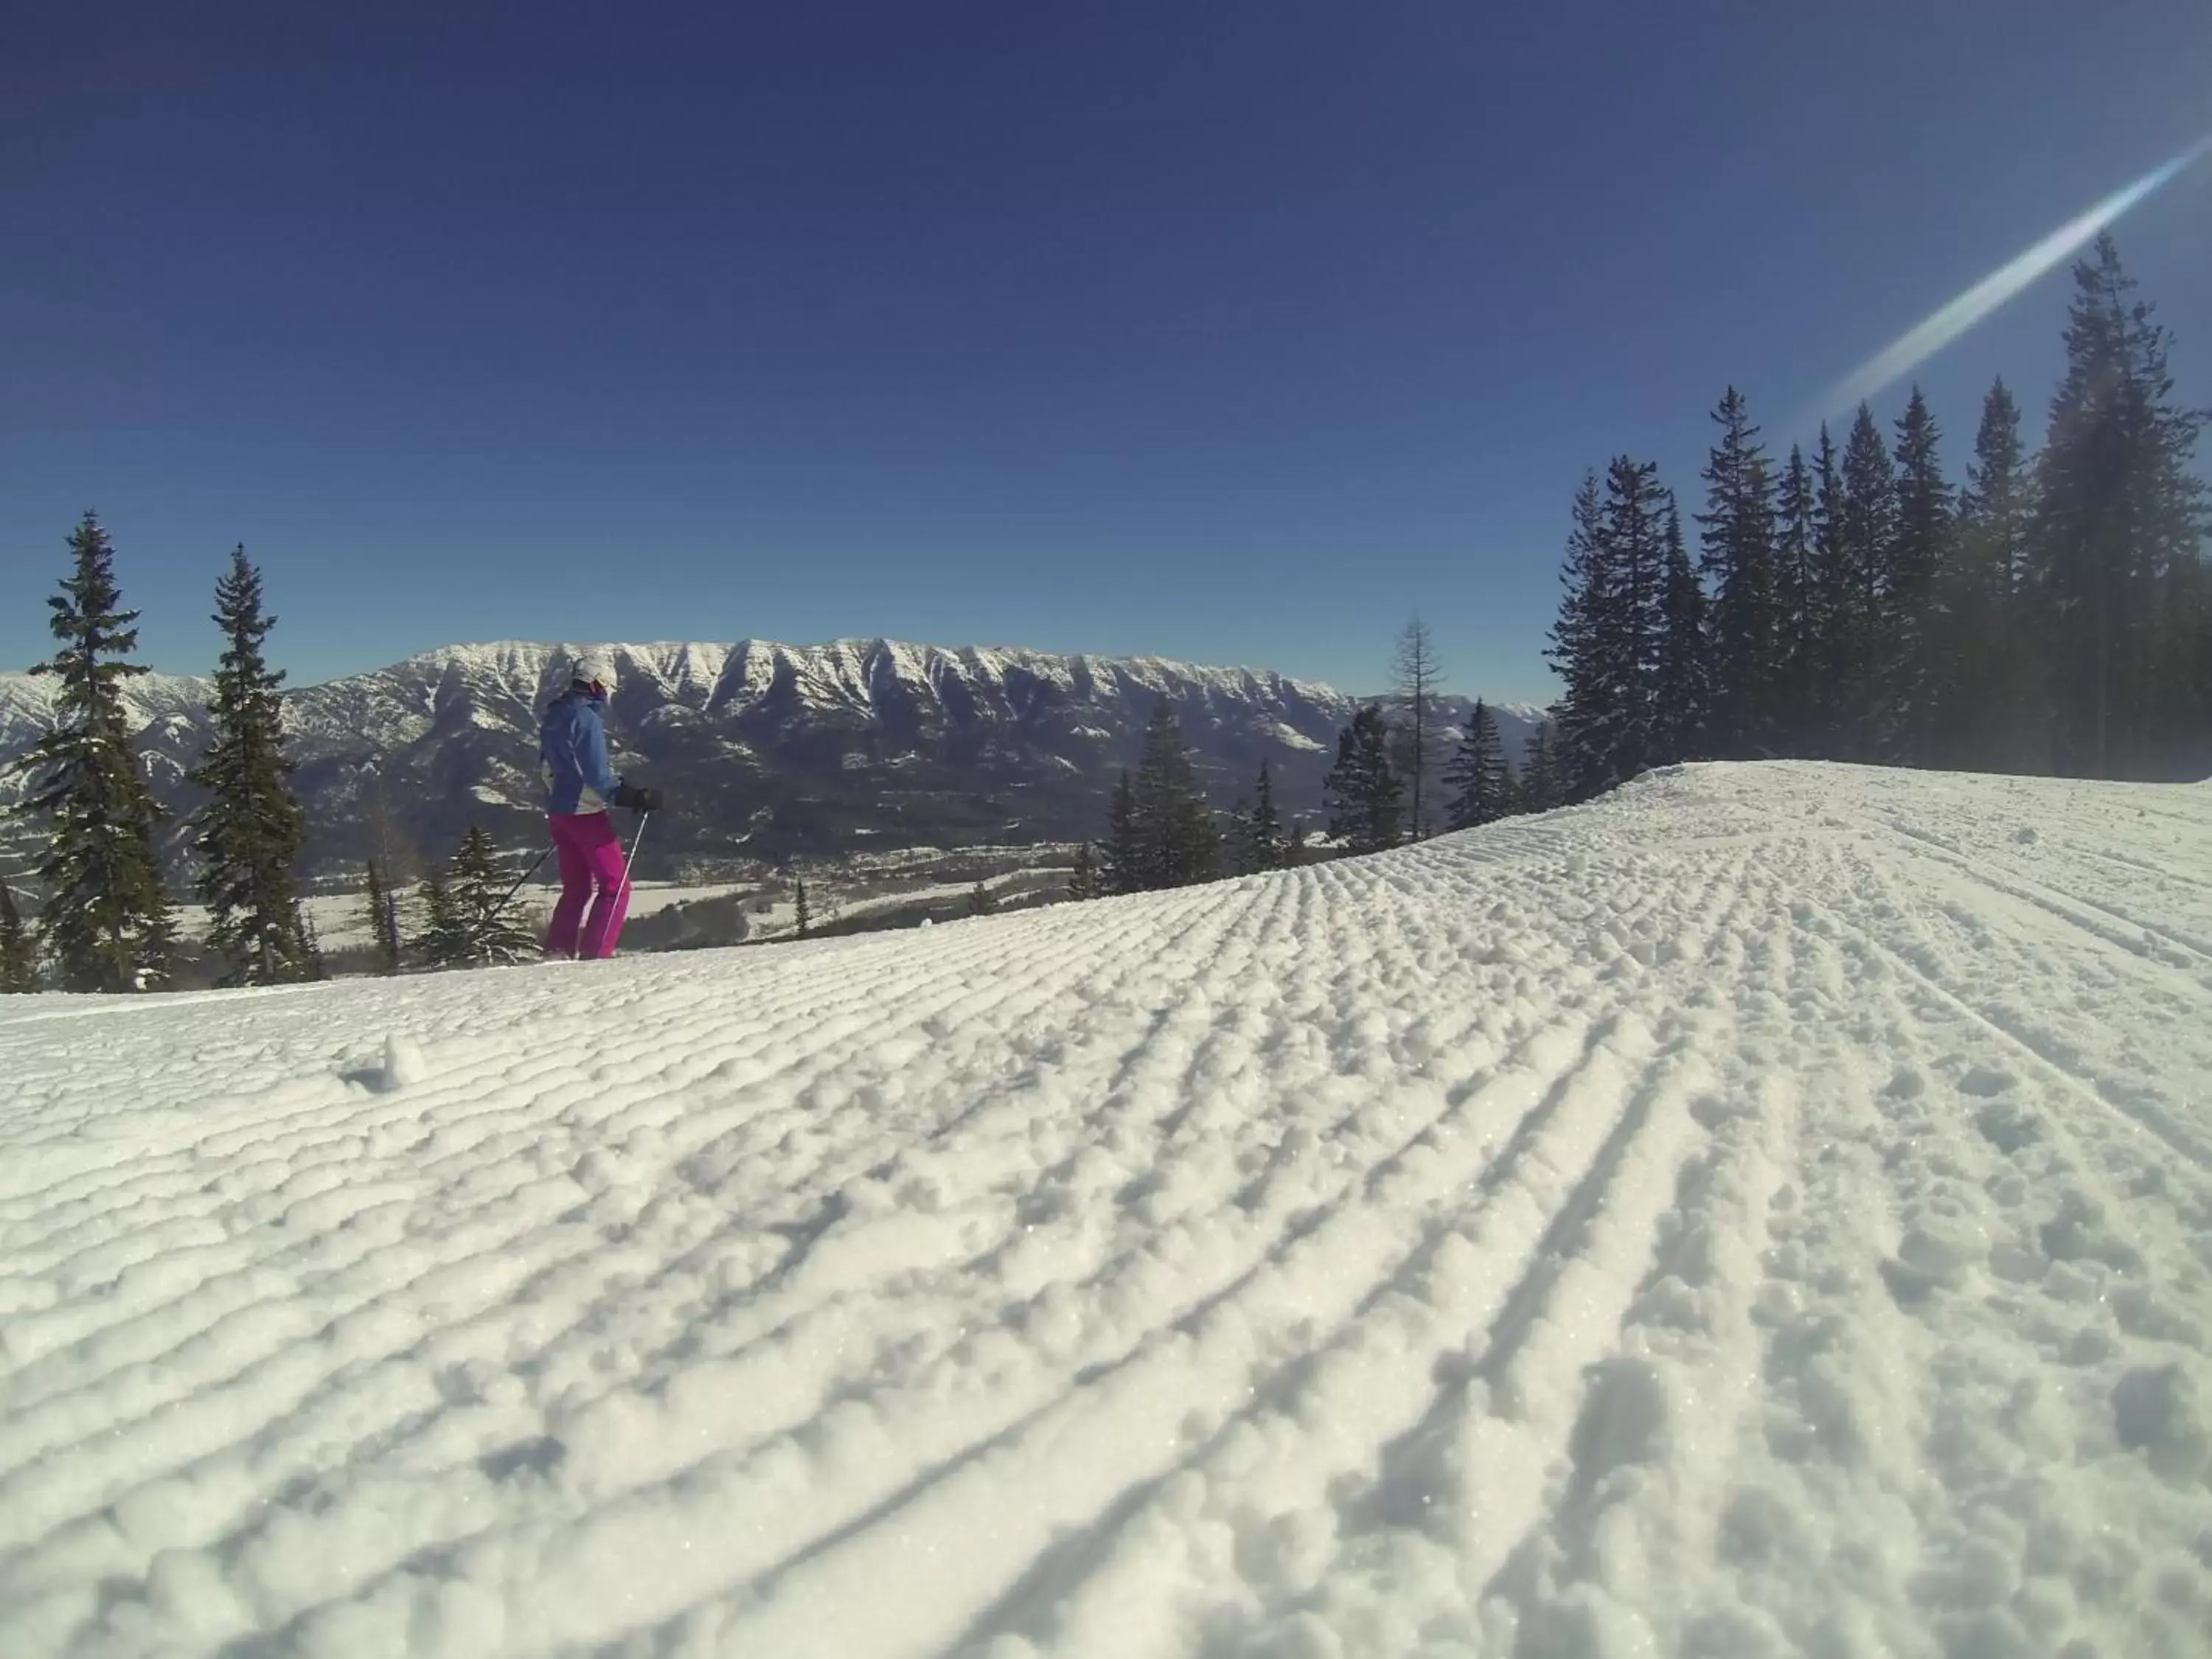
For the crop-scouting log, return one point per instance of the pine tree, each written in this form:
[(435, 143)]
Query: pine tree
[(1263, 826), (1800, 621), (1867, 536), (1082, 878), (1541, 786), (804, 927), (1418, 675), (1683, 701), (1363, 791), (1123, 865), (474, 920), (980, 901), (1294, 849), (1607, 642), (443, 941), (2118, 579), (1175, 842), (1739, 560), (250, 833), (106, 926), (1832, 649), (1986, 705), (1918, 577), (382, 905), (19, 965), (1478, 777)]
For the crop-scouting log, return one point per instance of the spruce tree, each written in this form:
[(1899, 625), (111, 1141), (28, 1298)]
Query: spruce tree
[(1867, 536), (250, 832), (1801, 621), (1918, 577), (19, 965), (1739, 561), (1263, 827), (474, 915), (1832, 640), (1418, 676), (1082, 878), (2118, 578), (1541, 787), (106, 926), (1479, 778), (1683, 704), (443, 941), (1294, 849), (1987, 706), (804, 921), (1123, 870), (1177, 842), (1609, 640), (980, 901), (381, 906), (1363, 791)]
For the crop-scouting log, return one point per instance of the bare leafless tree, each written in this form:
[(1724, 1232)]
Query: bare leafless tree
[(1420, 726)]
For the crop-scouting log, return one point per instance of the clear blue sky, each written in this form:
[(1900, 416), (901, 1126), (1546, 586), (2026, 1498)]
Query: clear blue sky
[(1231, 330)]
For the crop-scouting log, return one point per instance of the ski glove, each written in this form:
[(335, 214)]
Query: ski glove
[(629, 796)]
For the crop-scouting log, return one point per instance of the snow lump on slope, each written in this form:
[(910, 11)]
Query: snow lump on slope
[(1765, 1212)]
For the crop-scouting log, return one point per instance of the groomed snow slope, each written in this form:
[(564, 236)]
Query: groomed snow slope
[(1766, 1212)]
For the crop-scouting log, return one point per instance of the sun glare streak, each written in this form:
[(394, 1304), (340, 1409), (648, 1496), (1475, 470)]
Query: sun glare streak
[(1909, 350)]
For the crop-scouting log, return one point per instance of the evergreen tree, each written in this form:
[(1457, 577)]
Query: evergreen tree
[(252, 829), (1831, 645), (1294, 849), (19, 965), (1082, 879), (1541, 787), (106, 926), (2118, 578), (806, 922), (1479, 778), (1362, 790), (1739, 560), (443, 941), (1607, 642), (1986, 705), (1263, 827), (1800, 623), (980, 901), (1175, 842), (1867, 534), (382, 905), (473, 913), (1683, 701), (1123, 871), (1420, 726), (1917, 578)]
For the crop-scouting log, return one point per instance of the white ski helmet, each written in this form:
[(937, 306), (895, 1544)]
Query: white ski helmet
[(593, 669)]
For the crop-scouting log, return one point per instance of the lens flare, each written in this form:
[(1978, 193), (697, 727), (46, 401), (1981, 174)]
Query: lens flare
[(1909, 350)]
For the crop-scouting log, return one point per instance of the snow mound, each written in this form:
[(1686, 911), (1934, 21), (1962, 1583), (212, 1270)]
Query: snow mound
[(1768, 1212)]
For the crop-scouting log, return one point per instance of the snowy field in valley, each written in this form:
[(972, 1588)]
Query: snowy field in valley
[(1766, 1212)]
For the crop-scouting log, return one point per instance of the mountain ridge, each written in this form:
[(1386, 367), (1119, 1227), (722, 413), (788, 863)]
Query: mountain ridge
[(766, 748)]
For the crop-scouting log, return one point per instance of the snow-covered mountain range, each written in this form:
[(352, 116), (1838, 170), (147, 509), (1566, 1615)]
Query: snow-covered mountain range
[(760, 747)]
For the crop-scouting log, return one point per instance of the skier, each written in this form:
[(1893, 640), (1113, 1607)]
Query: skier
[(579, 787)]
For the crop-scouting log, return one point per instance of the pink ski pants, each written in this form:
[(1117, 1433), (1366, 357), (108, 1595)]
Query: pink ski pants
[(591, 856)]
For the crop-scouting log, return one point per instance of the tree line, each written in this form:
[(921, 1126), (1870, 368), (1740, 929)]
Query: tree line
[(106, 924), (2051, 614)]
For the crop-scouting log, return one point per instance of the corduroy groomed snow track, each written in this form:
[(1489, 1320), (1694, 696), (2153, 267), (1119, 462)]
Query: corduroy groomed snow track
[(1769, 1211)]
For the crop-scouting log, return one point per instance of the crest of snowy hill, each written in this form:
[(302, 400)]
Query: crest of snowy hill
[(1764, 1212), (771, 747)]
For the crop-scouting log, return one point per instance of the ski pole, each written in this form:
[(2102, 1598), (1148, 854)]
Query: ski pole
[(624, 900), (519, 879)]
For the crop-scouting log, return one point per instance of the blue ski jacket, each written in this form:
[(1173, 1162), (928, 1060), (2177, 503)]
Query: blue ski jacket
[(572, 752)]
